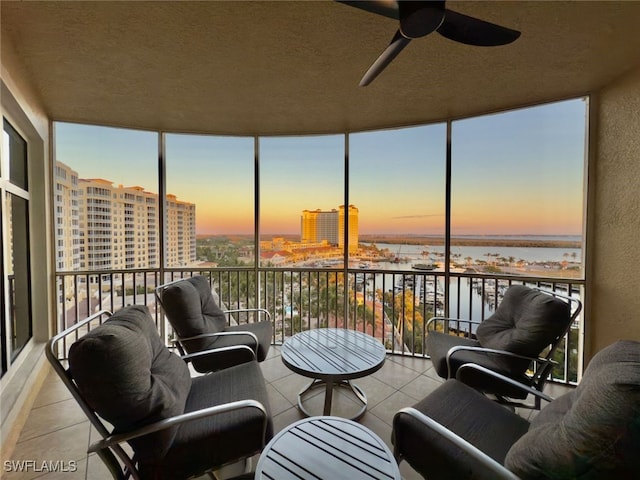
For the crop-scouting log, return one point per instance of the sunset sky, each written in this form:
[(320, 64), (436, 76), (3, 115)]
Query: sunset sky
[(519, 172)]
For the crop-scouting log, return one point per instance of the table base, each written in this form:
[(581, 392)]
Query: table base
[(328, 396)]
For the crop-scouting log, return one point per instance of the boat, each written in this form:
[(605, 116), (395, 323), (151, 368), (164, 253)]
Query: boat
[(424, 266)]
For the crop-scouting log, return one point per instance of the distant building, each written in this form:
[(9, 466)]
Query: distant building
[(100, 226), (317, 226)]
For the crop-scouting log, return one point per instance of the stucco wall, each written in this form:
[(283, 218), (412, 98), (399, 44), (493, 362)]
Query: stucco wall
[(18, 387), (615, 216)]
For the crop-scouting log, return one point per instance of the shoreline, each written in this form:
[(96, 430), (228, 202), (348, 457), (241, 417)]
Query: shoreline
[(470, 242)]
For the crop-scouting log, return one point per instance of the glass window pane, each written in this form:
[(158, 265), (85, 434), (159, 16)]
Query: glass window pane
[(105, 194), (397, 181), (213, 178), (16, 147), (517, 190), (301, 200), (18, 273)]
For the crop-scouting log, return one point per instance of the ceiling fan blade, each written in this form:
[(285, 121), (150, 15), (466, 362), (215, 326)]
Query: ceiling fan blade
[(395, 47), (418, 19), (386, 8), (473, 31)]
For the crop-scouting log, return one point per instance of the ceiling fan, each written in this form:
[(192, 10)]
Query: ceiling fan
[(419, 18)]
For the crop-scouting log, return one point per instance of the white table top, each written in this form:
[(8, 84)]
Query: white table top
[(327, 448)]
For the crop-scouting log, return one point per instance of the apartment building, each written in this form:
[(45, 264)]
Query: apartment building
[(102, 226)]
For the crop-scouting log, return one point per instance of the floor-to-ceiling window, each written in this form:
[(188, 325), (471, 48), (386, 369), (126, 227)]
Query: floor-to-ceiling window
[(398, 180), (404, 226), (107, 215), (213, 178), (17, 324), (302, 225)]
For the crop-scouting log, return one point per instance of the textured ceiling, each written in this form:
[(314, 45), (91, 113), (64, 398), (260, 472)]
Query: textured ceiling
[(293, 67)]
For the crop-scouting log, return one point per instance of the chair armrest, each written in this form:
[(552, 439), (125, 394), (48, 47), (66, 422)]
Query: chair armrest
[(242, 310), (254, 338), (453, 350), (478, 455), (112, 440), (474, 368), (213, 352), (449, 319)]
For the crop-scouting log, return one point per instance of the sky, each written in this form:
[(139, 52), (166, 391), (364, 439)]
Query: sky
[(517, 172)]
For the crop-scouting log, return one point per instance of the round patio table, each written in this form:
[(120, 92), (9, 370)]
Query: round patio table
[(326, 448), (333, 357)]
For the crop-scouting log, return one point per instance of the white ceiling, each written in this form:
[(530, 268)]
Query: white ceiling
[(293, 67)]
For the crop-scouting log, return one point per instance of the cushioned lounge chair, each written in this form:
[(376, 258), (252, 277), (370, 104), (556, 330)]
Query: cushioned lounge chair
[(200, 324), (517, 341), (135, 390), (592, 432)]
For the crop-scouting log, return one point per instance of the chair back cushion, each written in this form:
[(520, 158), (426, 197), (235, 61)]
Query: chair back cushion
[(192, 310), (591, 432), (525, 322), (130, 378)]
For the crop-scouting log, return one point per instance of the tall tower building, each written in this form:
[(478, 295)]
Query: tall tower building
[(318, 225), (352, 218), (67, 218)]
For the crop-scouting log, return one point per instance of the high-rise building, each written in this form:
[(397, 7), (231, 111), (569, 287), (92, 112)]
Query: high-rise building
[(352, 214), (100, 226), (318, 225)]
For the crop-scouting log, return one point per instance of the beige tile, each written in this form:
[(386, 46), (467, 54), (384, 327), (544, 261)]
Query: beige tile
[(418, 364), (386, 409), (52, 417), (96, 469), (374, 389), (52, 391), (273, 369), (277, 401), (63, 445), (421, 387), (291, 385), (395, 375)]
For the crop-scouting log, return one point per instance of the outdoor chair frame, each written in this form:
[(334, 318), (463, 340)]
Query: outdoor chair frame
[(111, 448), (540, 366)]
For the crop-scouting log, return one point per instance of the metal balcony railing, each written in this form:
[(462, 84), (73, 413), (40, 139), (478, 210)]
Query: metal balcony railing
[(393, 306)]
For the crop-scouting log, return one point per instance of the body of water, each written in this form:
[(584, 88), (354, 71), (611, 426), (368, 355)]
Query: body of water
[(414, 253)]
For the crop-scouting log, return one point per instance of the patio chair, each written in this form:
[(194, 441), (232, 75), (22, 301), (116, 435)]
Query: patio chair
[(200, 324), (135, 391), (517, 341), (592, 432)]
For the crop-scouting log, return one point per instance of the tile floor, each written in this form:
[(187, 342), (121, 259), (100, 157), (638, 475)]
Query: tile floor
[(57, 429)]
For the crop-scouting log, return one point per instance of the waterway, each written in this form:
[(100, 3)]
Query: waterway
[(472, 305)]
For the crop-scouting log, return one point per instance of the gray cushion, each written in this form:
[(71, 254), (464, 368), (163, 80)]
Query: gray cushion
[(591, 432), (222, 438), (525, 322), (192, 310), (485, 424), (438, 344), (129, 377)]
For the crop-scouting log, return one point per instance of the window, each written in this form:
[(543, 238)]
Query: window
[(301, 199), (210, 192), (517, 190), (17, 328)]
